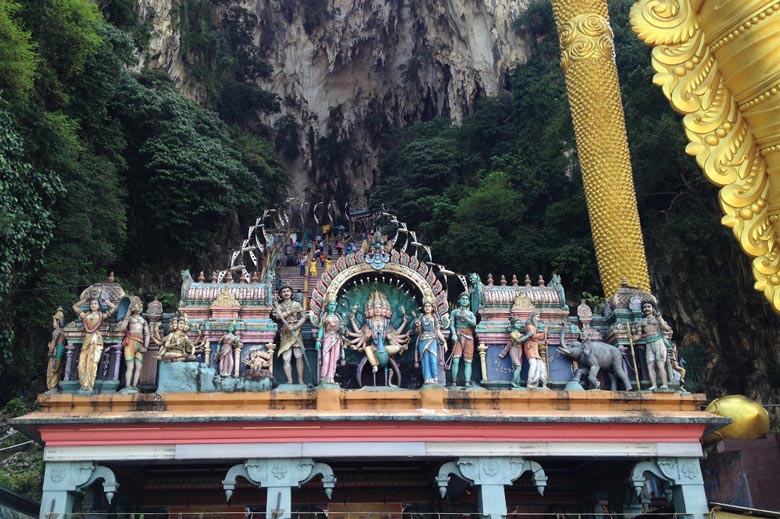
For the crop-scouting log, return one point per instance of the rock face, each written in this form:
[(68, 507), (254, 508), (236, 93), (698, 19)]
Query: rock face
[(348, 70)]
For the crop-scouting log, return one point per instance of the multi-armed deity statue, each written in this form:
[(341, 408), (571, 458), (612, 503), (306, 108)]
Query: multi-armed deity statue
[(177, 347), (377, 338)]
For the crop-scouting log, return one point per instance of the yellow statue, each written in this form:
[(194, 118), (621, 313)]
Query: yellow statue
[(92, 346), (177, 347), (56, 351)]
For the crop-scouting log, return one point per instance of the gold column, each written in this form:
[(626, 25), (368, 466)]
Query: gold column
[(588, 63)]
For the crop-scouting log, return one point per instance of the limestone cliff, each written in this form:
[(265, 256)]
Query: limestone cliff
[(348, 70)]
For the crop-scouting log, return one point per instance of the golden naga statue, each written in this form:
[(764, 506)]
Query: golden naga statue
[(717, 63), (748, 418)]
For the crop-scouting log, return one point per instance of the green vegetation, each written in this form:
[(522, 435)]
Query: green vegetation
[(21, 463), (224, 61), (103, 169)]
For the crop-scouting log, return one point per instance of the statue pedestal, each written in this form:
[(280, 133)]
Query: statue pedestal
[(69, 386), (194, 377), (496, 384), (432, 396), (106, 386)]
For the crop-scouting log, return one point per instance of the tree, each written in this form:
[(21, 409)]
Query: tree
[(27, 197), (17, 55)]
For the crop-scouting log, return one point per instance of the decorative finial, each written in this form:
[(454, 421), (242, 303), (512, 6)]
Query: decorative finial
[(541, 281), (503, 280), (213, 276), (515, 281), (201, 277), (111, 278), (624, 283), (229, 277), (242, 278), (527, 280), (255, 277), (490, 280)]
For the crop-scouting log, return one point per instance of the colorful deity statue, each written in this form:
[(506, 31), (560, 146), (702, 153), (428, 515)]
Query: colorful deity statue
[(134, 345), (330, 342), (377, 253), (56, 351), (258, 364), (535, 337), (431, 344), (228, 343), (377, 338), (92, 346), (651, 328), (292, 316), (514, 348), (177, 347), (462, 325)]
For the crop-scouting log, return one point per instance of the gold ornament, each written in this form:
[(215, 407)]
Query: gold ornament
[(588, 62), (717, 62)]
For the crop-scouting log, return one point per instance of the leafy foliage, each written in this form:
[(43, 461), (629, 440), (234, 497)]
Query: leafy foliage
[(17, 57), (26, 206), (223, 59), (102, 169)]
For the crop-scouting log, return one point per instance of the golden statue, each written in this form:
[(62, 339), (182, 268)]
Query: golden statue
[(92, 346), (177, 347), (718, 65)]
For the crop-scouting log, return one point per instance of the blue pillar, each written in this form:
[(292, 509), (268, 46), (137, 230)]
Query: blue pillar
[(279, 476), (491, 474), (61, 479), (684, 482)]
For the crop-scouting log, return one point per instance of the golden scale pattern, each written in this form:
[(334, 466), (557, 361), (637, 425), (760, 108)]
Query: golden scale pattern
[(588, 62), (732, 134)]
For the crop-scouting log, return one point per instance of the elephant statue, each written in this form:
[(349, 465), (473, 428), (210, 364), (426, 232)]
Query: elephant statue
[(593, 357)]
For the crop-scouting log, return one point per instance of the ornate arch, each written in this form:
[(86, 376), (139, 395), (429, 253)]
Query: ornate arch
[(333, 281)]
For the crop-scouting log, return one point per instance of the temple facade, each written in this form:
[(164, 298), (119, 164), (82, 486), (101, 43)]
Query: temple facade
[(395, 387)]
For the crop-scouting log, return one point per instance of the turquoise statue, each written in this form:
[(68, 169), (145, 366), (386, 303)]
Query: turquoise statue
[(462, 325)]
